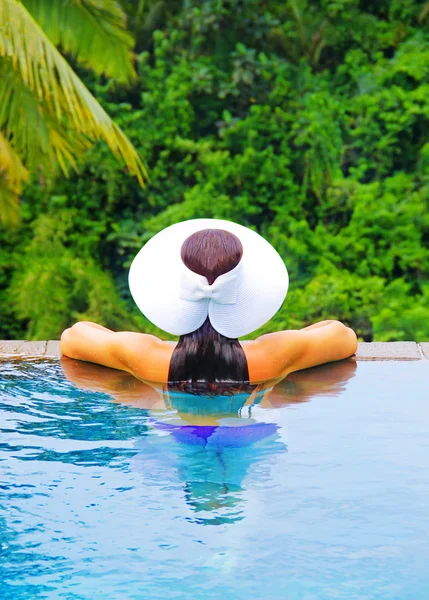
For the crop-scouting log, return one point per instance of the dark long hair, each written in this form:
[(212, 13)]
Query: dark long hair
[(204, 361)]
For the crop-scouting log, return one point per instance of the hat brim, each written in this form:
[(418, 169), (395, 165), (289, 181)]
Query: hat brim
[(155, 275)]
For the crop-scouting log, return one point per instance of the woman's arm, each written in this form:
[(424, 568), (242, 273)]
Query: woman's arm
[(91, 342), (94, 343), (319, 324), (317, 344), (324, 342)]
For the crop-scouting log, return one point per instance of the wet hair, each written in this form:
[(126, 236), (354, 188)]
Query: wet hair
[(205, 361)]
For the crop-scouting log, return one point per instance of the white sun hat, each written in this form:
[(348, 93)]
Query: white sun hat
[(178, 300)]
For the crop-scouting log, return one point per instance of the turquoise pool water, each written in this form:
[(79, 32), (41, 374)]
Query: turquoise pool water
[(107, 493)]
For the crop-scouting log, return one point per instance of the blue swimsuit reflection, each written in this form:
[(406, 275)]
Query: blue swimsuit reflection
[(207, 447), (209, 461)]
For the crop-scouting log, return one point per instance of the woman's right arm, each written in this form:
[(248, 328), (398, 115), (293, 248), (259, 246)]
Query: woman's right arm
[(91, 342)]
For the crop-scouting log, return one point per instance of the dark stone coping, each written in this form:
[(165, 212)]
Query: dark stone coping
[(366, 350)]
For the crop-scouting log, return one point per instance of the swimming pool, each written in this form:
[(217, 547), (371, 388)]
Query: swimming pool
[(107, 493)]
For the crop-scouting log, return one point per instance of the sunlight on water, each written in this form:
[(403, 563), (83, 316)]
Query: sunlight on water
[(317, 489)]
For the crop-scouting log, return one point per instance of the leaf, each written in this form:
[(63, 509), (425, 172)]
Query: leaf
[(36, 135), (9, 201), (92, 31), (11, 165), (47, 74), (12, 175)]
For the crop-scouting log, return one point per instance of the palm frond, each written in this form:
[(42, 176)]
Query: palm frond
[(9, 203), (12, 175), (47, 74), (92, 31), (11, 166), (37, 136)]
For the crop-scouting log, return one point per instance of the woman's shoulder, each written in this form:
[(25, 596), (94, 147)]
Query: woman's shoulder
[(147, 356), (270, 355)]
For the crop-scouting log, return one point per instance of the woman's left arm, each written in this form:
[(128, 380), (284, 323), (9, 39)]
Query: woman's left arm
[(324, 342), (317, 344)]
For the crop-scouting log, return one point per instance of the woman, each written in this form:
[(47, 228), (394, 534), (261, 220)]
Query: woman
[(210, 282)]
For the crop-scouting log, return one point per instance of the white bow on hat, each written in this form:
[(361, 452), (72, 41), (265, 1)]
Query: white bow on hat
[(224, 290)]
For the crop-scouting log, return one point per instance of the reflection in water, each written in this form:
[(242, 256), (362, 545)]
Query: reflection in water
[(121, 491), (302, 386), (208, 445)]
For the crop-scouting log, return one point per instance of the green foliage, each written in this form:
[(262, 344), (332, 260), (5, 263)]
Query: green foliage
[(307, 121), (62, 285)]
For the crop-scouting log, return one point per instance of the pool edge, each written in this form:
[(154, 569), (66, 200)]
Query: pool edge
[(22, 349)]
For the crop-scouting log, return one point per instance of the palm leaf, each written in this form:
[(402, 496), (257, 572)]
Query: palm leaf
[(11, 166), (9, 203), (47, 74), (12, 175), (37, 136), (92, 31)]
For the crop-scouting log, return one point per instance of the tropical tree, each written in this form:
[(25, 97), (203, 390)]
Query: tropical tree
[(47, 115)]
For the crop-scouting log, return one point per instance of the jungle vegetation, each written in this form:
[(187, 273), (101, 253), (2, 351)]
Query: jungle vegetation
[(305, 120)]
